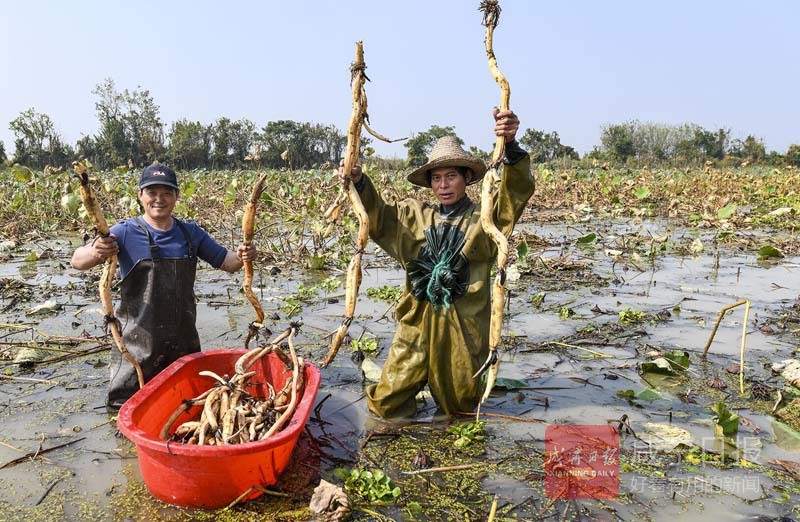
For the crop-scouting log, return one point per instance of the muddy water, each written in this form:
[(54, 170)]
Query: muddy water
[(96, 477)]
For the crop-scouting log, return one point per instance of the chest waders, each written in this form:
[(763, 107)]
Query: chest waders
[(158, 314), (438, 341)]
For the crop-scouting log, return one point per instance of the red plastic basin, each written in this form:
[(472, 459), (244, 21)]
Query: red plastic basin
[(209, 476)]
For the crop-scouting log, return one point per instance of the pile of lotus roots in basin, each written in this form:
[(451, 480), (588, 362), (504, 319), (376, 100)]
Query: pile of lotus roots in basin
[(232, 415)]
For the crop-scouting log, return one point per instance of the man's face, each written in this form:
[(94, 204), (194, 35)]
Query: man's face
[(448, 185), (158, 201)]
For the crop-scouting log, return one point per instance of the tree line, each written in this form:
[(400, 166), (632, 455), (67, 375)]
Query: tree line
[(131, 133), (688, 144)]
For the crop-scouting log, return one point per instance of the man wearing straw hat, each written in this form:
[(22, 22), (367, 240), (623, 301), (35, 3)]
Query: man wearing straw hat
[(443, 316)]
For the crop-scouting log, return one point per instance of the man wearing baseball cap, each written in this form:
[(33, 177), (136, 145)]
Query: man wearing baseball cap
[(442, 333), (158, 256)]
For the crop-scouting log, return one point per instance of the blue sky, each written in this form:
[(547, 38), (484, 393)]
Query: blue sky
[(573, 66)]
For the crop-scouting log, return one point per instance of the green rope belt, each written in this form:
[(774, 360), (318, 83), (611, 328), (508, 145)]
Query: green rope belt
[(440, 274)]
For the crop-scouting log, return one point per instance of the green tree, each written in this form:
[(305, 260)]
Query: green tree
[(220, 143), (131, 131), (36, 141), (419, 145), (112, 145), (694, 144), (617, 141), (722, 143), (686, 152), (538, 145), (479, 153), (144, 126), (242, 137), (189, 144), (753, 149), (87, 147), (287, 143), (710, 145), (231, 142), (3, 157), (330, 142), (281, 143), (775, 158), (544, 147), (654, 143), (596, 154), (793, 155)]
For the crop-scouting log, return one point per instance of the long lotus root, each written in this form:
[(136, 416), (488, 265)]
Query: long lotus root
[(353, 283), (109, 268), (491, 17), (248, 226)]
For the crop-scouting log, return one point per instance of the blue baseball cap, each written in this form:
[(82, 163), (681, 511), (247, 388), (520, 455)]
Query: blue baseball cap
[(158, 174)]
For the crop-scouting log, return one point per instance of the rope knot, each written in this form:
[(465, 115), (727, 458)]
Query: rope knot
[(440, 274)]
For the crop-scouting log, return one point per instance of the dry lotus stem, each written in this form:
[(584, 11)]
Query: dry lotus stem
[(109, 268), (231, 415), (491, 11), (351, 158), (248, 226)]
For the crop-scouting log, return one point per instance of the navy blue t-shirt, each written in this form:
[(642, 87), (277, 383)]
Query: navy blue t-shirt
[(133, 244)]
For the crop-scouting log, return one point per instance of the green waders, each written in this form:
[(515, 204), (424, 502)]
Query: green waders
[(436, 345)]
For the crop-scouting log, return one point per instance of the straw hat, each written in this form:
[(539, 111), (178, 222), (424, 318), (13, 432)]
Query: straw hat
[(447, 152)]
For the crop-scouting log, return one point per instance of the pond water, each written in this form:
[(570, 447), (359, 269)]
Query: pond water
[(568, 295)]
